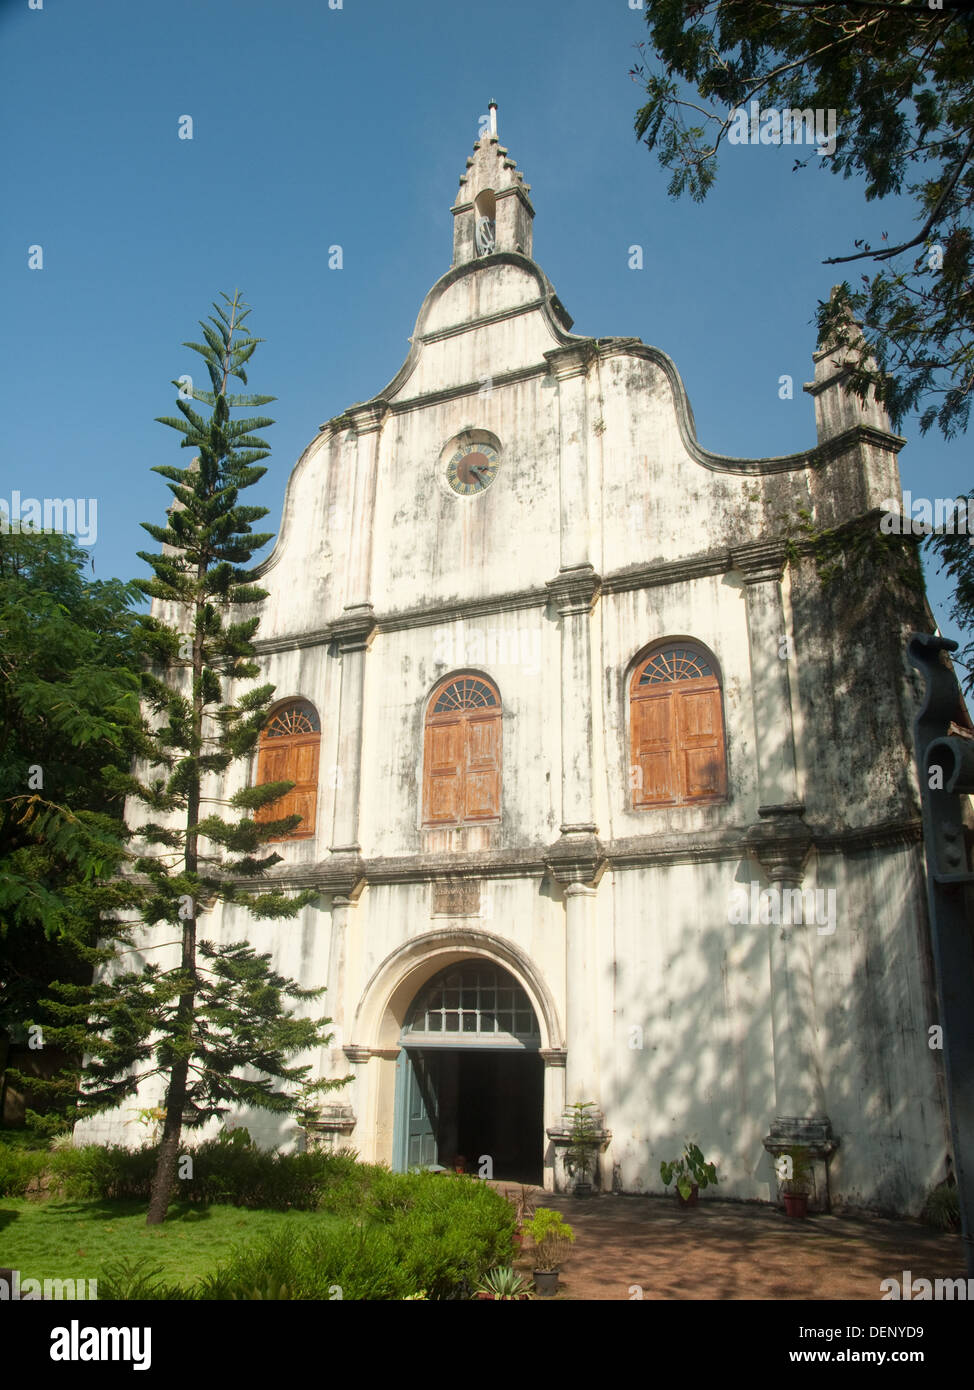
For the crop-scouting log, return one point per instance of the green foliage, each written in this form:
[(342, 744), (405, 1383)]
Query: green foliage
[(128, 1279), (956, 556), (942, 1208), (581, 1154), (855, 553), (551, 1236), (691, 1168), (504, 1282), (217, 1026), (437, 1237), (361, 1229), (228, 1170), (19, 1168), (68, 725), (900, 78)]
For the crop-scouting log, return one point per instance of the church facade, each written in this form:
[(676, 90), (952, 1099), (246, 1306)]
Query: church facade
[(608, 795)]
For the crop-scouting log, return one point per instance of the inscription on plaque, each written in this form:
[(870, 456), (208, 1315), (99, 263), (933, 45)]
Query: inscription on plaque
[(456, 897)]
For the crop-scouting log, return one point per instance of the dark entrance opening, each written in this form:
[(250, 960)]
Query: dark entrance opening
[(481, 1104), (471, 1078)]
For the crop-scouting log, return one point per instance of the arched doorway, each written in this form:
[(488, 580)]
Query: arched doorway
[(470, 1078)]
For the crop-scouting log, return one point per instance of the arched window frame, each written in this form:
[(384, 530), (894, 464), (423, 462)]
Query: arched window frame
[(474, 1003), (661, 777), (284, 758), (476, 757)]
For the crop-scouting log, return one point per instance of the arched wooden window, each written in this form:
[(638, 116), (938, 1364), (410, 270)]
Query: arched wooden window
[(676, 728), (462, 754), (289, 753)]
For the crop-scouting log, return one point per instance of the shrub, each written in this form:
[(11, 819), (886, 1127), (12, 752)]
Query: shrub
[(19, 1167), (125, 1279), (235, 1173), (503, 1284), (418, 1233), (552, 1238), (942, 1208)]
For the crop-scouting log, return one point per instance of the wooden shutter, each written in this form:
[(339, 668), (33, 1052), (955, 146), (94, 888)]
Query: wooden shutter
[(444, 771), (701, 743), (653, 750), (482, 800)]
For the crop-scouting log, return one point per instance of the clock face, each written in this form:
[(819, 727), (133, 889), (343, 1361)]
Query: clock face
[(472, 468)]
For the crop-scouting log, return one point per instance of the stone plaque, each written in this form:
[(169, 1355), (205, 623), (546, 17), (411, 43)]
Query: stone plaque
[(456, 897)]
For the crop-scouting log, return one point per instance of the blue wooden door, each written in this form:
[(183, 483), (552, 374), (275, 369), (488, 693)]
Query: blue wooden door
[(421, 1109)]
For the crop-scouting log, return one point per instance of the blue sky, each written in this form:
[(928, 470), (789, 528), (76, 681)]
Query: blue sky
[(315, 126)]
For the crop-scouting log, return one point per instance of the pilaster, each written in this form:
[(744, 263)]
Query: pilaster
[(573, 594), (800, 1112), (367, 421), (353, 632), (569, 366), (771, 651), (575, 861)]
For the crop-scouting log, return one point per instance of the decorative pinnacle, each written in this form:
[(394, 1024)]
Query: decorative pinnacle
[(492, 108)]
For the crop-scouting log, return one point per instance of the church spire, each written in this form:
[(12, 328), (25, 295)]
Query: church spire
[(493, 211)]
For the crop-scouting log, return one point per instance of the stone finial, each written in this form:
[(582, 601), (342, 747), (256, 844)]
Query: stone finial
[(836, 408)]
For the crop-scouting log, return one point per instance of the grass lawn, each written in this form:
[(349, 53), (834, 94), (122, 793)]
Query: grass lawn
[(75, 1239)]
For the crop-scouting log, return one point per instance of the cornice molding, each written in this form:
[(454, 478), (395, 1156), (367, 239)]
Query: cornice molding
[(761, 563), (567, 859), (572, 360), (354, 630), (368, 417), (553, 1056), (576, 858), (466, 388), (574, 590), (454, 330)]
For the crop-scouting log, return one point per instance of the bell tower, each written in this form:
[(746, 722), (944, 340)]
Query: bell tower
[(493, 211)]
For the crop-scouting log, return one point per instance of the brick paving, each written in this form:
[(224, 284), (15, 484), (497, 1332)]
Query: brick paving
[(731, 1250)]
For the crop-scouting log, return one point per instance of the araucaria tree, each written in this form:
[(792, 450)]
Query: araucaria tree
[(216, 1025)]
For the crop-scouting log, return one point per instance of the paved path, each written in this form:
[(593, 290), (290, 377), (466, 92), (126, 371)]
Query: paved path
[(731, 1250)]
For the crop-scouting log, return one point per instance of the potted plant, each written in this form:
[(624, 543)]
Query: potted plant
[(460, 1163), (691, 1172), (585, 1138), (797, 1172), (551, 1237), (502, 1282)]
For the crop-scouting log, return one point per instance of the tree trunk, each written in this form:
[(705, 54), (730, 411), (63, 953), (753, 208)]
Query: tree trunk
[(165, 1174)]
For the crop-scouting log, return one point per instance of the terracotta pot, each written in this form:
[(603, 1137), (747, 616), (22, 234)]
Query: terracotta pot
[(796, 1203), (546, 1282), (690, 1201)]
